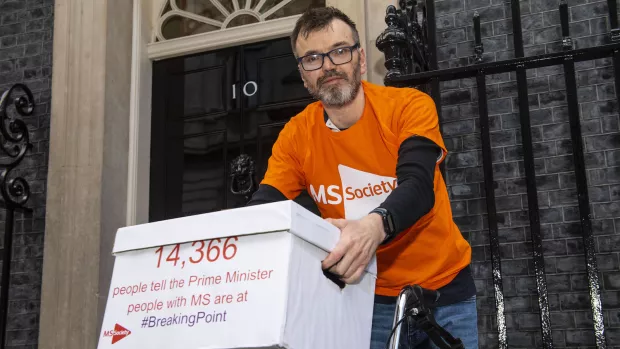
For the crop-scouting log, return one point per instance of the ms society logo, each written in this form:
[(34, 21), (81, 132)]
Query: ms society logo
[(361, 191), (119, 332)]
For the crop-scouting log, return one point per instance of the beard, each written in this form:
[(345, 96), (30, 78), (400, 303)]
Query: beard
[(339, 94)]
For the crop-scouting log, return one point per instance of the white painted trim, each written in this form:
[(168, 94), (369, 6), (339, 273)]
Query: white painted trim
[(138, 172), (133, 116), (242, 35), (185, 14), (157, 10), (259, 6), (220, 7)]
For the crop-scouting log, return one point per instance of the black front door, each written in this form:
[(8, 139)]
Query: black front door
[(215, 118)]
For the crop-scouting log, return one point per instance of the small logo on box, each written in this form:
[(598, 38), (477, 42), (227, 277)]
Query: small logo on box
[(119, 332)]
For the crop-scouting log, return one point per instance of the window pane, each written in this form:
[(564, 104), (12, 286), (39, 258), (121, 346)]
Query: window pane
[(292, 8), (222, 14), (176, 27), (206, 8)]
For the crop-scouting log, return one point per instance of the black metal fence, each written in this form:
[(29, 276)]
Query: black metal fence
[(409, 46), (15, 191)]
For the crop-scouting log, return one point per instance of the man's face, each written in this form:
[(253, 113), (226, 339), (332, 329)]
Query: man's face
[(334, 85)]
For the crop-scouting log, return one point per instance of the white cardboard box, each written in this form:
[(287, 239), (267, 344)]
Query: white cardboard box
[(242, 278)]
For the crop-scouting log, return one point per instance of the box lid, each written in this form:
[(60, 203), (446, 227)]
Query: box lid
[(272, 217)]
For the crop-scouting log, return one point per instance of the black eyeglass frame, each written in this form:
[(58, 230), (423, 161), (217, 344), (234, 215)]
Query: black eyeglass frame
[(323, 55)]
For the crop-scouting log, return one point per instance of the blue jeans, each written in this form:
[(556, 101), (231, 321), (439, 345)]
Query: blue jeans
[(459, 319)]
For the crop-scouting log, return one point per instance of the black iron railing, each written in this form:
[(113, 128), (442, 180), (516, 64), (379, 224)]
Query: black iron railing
[(15, 191), (396, 45)]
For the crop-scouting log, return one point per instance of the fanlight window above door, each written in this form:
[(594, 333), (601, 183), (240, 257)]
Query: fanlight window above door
[(179, 18)]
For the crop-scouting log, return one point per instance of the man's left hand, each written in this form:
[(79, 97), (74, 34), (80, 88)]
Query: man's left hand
[(358, 243)]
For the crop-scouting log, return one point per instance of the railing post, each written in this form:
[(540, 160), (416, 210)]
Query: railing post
[(487, 164), (392, 44), (530, 179), (582, 181), (15, 191)]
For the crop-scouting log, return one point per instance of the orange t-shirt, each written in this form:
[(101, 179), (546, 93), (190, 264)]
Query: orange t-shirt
[(351, 172)]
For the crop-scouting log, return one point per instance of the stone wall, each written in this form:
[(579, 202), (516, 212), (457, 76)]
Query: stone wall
[(563, 246), (26, 57)]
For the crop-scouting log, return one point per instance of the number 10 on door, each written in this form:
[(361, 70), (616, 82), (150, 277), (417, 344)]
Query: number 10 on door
[(249, 89)]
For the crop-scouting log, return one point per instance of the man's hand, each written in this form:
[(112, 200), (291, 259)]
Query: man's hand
[(358, 243)]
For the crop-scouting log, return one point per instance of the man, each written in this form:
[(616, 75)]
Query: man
[(369, 155)]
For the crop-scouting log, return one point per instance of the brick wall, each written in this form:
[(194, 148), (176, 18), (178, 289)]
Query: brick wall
[(563, 247), (25, 57)]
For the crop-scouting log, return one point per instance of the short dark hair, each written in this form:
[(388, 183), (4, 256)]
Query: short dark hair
[(319, 18)]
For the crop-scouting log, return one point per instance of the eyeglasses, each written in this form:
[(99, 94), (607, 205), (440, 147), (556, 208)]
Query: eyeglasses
[(341, 55)]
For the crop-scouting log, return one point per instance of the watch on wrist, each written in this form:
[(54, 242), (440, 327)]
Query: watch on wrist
[(388, 223)]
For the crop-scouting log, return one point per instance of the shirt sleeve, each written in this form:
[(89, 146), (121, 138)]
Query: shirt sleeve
[(265, 194), (419, 118), (285, 167), (414, 196), (421, 149)]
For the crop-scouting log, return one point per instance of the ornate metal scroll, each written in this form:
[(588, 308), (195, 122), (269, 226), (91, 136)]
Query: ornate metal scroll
[(15, 191), (15, 144)]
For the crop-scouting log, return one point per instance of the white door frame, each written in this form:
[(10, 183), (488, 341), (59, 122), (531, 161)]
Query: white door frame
[(145, 51)]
